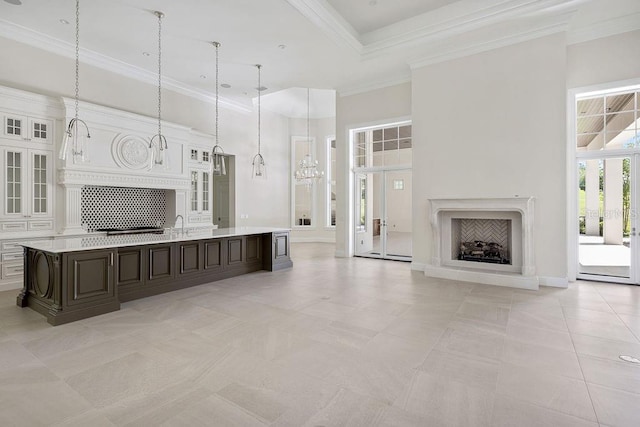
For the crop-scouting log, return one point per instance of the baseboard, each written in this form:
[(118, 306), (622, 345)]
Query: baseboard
[(10, 286), (312, 240), (554, 282), (418, 266), (495, 279)]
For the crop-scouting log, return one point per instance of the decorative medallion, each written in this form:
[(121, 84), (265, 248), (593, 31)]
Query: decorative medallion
[(131, 152)]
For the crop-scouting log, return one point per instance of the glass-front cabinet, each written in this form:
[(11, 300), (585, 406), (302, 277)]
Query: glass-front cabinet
[(32, 129), (27, 189), (200, 196)]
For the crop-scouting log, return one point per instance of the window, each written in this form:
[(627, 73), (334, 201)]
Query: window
[(362, 203), (387, 145), (608, 122), (398, 184), (330, 173)]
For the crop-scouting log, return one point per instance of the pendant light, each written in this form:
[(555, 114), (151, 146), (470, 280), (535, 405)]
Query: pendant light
[(217, 154), (307, 172), (73, 134), (158, 143), (259, 170)]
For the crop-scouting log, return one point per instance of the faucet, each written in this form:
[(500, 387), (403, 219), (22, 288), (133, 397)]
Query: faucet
[(176, 222)]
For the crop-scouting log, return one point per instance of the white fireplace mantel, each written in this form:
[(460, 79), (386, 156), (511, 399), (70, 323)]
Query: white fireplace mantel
[(522, 205)]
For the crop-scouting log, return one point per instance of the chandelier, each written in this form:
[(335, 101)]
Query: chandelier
[(158, 143), (73, 135), (259, 169), (307, 172), (217, 154)]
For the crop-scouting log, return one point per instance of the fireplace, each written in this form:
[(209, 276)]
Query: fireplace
[(483, 240)]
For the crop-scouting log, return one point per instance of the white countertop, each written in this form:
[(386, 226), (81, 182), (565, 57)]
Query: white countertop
[(72, 244)]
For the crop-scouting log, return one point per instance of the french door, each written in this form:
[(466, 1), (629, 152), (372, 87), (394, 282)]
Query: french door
[(608, 218), (383, 219)]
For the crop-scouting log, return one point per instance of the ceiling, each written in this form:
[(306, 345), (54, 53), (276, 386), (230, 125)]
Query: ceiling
[(343, 45)]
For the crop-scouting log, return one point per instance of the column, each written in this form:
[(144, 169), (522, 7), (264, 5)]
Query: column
[(592, 198), (612, 214)]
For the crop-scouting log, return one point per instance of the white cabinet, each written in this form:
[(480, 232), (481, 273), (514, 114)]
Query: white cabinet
[(31, 129), (200, 197), (27, 193)]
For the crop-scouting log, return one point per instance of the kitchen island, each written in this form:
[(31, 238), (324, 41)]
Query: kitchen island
[(74, 278)]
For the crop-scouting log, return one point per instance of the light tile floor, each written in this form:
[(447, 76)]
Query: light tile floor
[(331, 342)]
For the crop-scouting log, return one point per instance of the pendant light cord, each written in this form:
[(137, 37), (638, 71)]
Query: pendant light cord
[(160, 15), (217, 45), (259, 90), (77, 57)]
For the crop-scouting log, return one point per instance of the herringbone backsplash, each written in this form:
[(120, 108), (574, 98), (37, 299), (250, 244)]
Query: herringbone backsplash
[(487, 230)]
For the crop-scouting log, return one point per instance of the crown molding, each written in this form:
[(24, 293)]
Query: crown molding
[(521, 34), (36, 39), (325, 17), (610, 27), (453, 20), (379, 84)]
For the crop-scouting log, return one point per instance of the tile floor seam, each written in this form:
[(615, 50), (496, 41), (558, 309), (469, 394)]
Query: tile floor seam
[(584, 378), (618, 316)]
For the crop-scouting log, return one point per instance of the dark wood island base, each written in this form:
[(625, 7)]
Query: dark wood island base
[(66, 286)]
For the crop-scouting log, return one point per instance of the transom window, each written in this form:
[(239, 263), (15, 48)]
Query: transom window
[(608, 122), (384, 146)]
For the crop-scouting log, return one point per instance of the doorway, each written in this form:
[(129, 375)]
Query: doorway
[(607, 147), (383, 217), (607, 224), (224, 196)]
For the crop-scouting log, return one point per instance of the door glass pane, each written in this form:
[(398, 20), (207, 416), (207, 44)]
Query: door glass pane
[(368, 212), (13, 173), (194, 191), (39, 183), (604, 209), (399, 214), (205, 191)]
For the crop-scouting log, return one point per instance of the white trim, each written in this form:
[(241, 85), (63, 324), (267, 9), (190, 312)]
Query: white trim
[(325, 17), (600, 29), (449, 51), (553, 282), (506, 280), (371, 86), (447, 22), (572, 177), (418, 266), (295, 239), (60, 47)]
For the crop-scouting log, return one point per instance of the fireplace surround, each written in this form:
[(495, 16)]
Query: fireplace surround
[(448, 216)]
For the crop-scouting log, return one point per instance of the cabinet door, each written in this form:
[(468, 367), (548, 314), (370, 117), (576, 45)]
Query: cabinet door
[(15, 127), (89, 277), (40, 130), (14, 174), (205, 197), (27, 189), (194, 201), (40, 183)]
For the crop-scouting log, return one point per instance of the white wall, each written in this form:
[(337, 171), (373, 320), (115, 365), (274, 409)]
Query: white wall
[(375, 107), (493, 125), (610, 59), (265, 202)]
